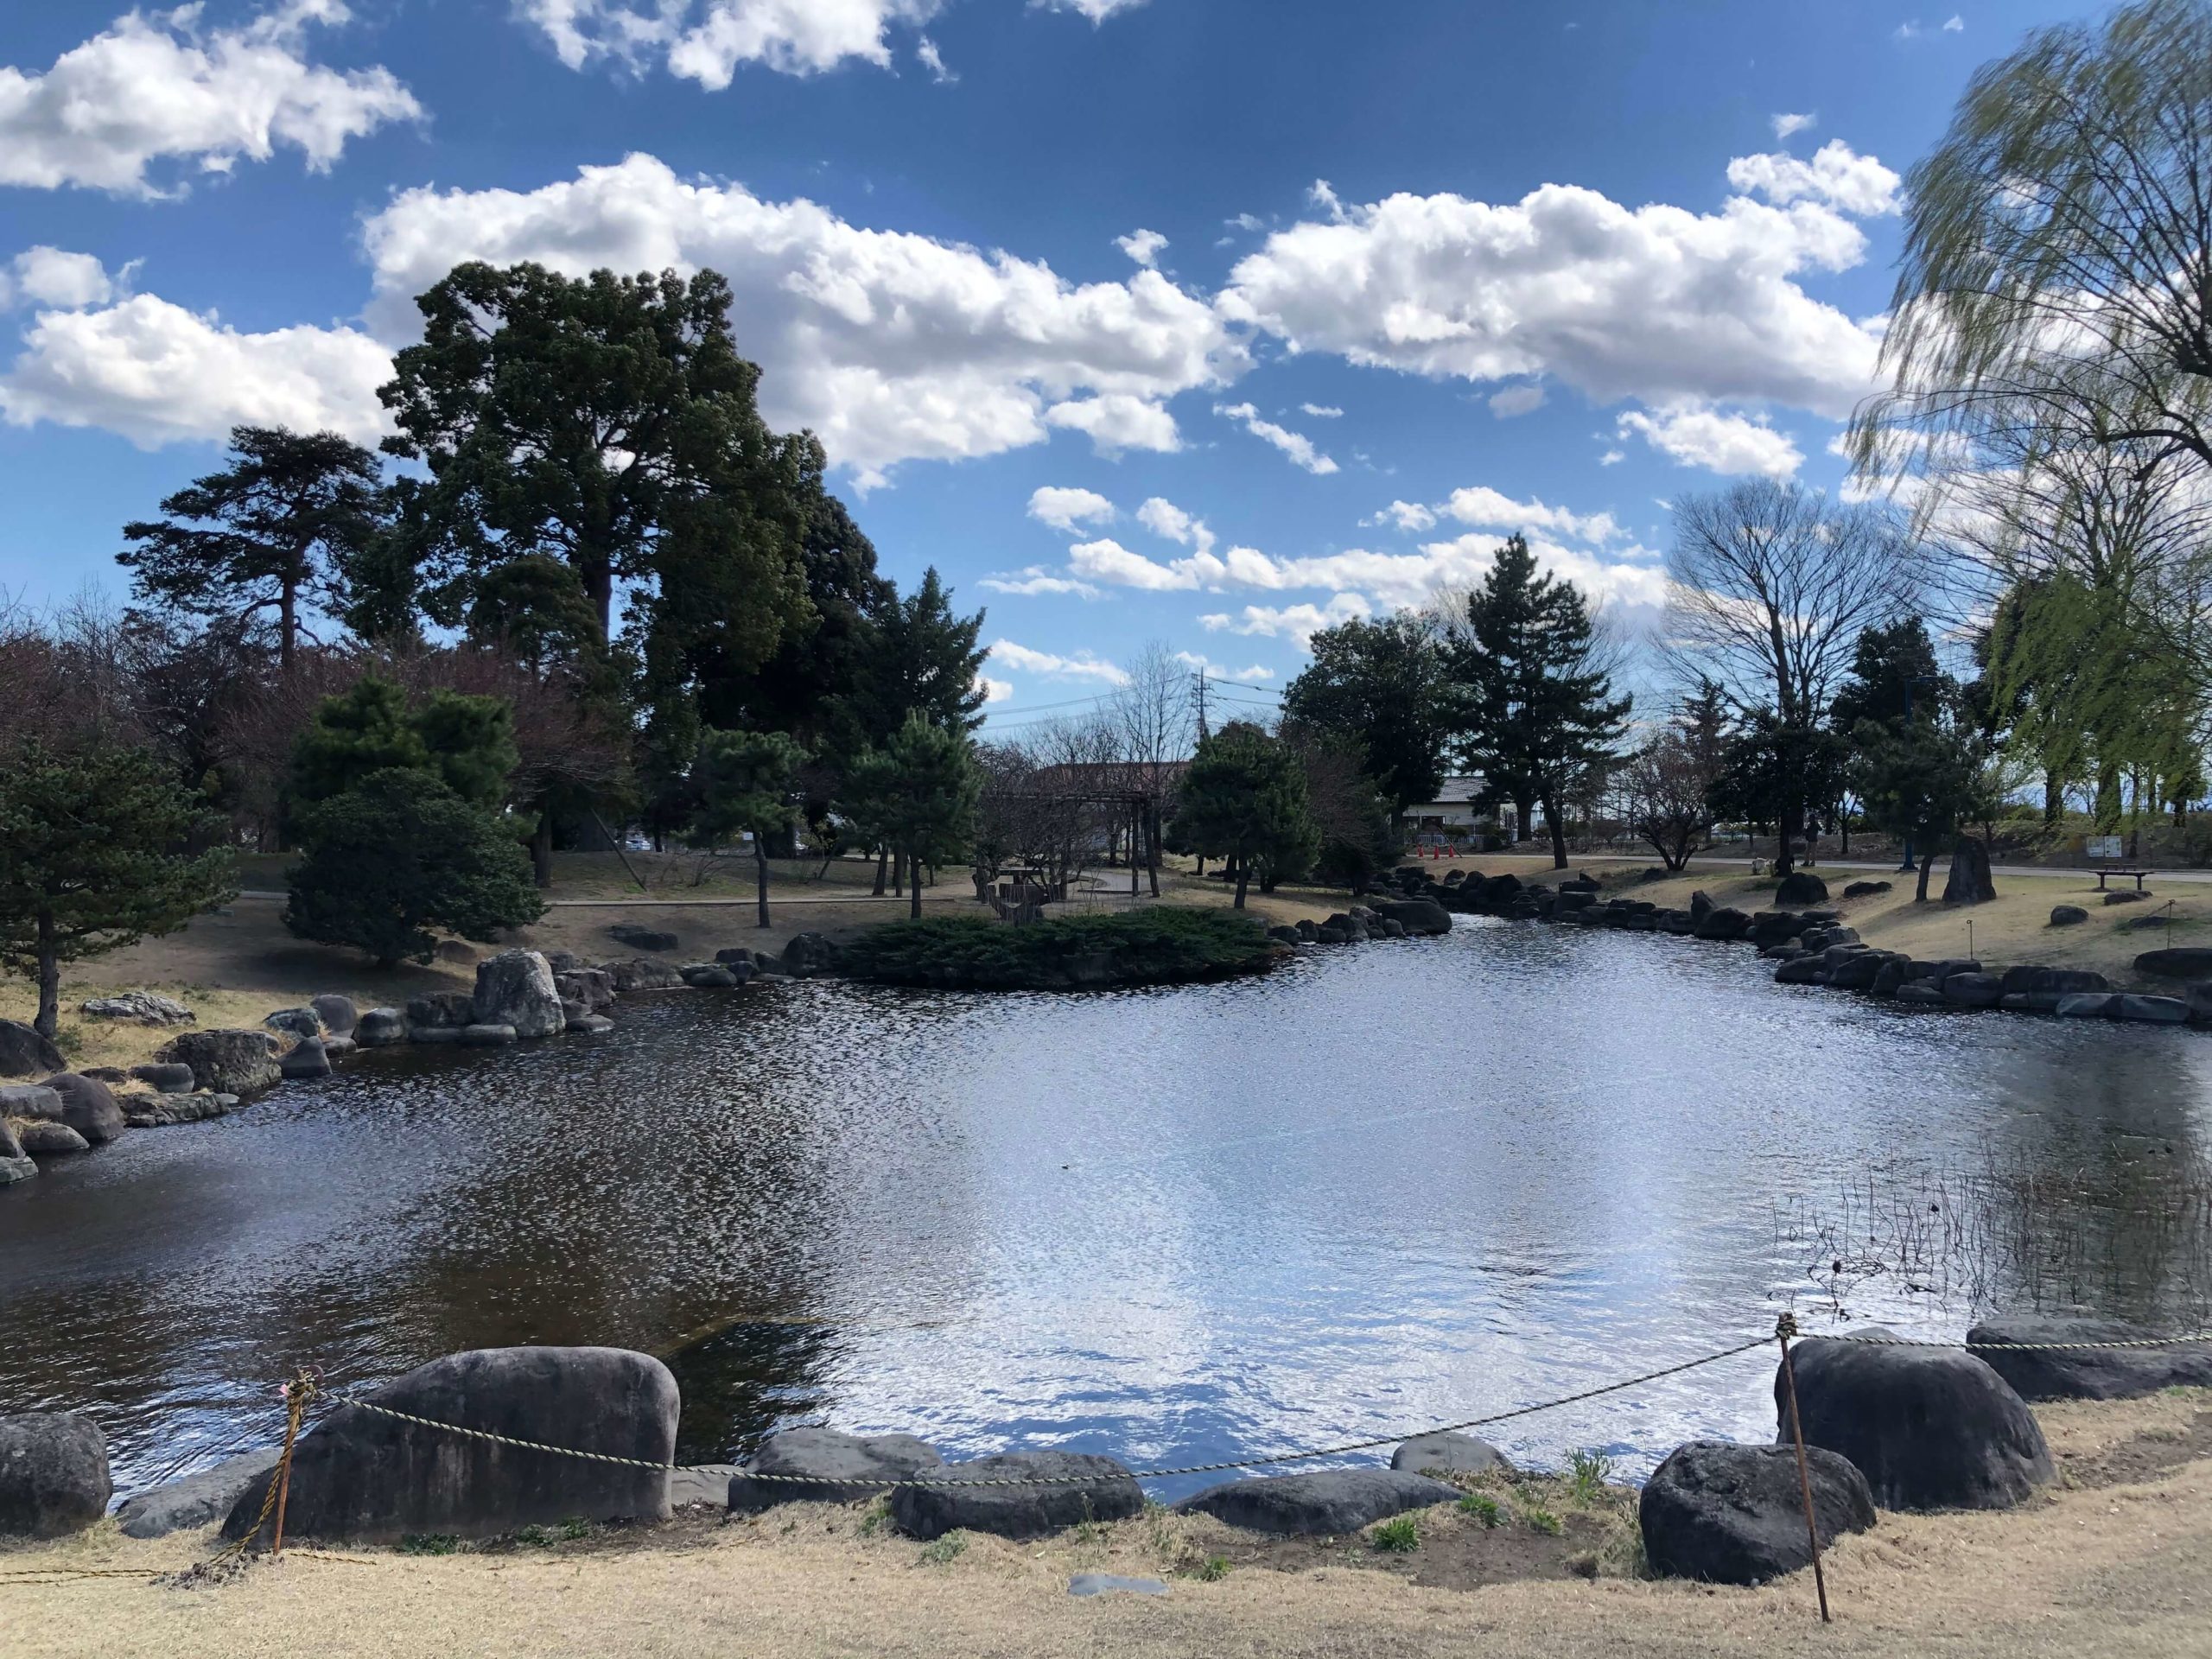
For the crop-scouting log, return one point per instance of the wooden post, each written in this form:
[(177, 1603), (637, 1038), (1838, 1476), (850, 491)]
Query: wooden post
[(1784, 1330)]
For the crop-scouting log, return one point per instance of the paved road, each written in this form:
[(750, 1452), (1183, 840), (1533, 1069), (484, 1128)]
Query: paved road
[(1884, 865)]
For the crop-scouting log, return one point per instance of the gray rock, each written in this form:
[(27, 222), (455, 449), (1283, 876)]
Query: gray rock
[(639, 975), (1309, 930), (87, 1107), (25, 1053), (226, 1062), (196, 1501), (2035, 977), (1330, 1502), (516, 988), (1736, 1514), (2151, 1010), (29, 1100), (642, 938), (2088, 1005), (41, 1137), (381, 1027), (1724, 922), (2187, 962), (295, 1022), (592, 1024), (54, 1474), (2123, 897), (435, 1033), (165, 1077), (592, 986), (1072, 1486), (142, 1008), (1700, 904), (708, 977), (487, 1036), (809, 956), (1099, 1584), (1448, 1453), (701, 1482), (1806, 969), (1921, 994), (735, 956), (1930, 1428), (1974, 990), (1858, 972), (441, 1008), (1424, 916), (1865, 889), (1286, 935), (361, 1475), (1801, 888), (304, 1061), (16, 1164), (2068, 915), (338, 1014), (812, 1464), (2043, 1373)]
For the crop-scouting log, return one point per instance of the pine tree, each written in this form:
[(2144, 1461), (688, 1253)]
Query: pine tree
[(1244, 799), (917, 653), (467, 741), (88, 860), (274, 531), (745, 782), (1536, 698), (1383, 686), (918, 793)]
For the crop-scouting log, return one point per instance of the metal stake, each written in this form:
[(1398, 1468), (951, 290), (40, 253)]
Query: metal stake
[(1785, 1328)]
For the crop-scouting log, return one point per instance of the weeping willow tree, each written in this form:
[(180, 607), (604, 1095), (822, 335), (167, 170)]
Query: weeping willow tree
[(2057, 274)]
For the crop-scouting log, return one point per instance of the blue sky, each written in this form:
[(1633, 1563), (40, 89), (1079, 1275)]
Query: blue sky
[(1205, 321)]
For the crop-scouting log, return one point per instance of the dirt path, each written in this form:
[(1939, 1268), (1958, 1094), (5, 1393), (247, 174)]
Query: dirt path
[(2117, 1561)]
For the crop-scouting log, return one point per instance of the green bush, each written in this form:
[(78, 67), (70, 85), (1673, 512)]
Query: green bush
[(1399, 1536), (1157, 946)]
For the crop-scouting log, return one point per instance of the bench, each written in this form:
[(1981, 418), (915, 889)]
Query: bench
[(2138, 874)]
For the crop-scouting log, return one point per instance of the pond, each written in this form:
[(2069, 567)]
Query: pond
[(1381, 1187)]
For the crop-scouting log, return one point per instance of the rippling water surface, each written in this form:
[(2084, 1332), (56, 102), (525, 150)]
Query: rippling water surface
[(1377, 1189)]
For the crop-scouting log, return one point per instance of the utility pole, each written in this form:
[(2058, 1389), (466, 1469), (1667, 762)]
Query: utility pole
[(1202, 702)]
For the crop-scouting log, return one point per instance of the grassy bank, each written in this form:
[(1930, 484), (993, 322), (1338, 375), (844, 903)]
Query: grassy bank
[(1158, 945), (2113, 1561)]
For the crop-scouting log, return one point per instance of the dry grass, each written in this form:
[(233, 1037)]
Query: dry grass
[(2115, 1560)]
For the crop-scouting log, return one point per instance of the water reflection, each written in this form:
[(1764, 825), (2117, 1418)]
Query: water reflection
[(1377, 1188)]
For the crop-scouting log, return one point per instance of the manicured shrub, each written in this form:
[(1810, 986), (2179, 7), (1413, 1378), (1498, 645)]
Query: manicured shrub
[(1159, 945)]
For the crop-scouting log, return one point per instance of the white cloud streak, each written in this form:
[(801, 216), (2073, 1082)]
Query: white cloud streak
[(1083, 665), (1732, 444), (1063, 509), (1296, 445)]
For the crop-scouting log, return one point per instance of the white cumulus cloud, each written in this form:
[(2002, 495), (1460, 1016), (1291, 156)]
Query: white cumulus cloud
[(706, 41), (156, 87), (994, 691), (1143, 246), (1063, 509), (1788, 126), (1516, 400), (1034, 581), (891, 345), (48, 276), (157, 373), (1165, 519), (1083, 665), (1097, 11), (1300, 448), (1837, 175), (1697, 436), (1323, 411), (1297, 623)]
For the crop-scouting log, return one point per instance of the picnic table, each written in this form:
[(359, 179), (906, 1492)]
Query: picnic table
[(2138, 874)]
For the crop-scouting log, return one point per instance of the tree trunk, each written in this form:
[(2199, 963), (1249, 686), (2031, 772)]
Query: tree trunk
[(1524, 813), (760, 868), (1242, 874), (1920, 893), (2108, 804), (1135, 815), (541, 848), (1555, 821), (882, 869), (2054, 798), (915, 901), (1152, 844), (287, 618), (49, 982), (1970, 882)]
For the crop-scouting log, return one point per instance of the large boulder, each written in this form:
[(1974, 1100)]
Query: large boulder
[(53, 1476), (2187, 962), (809, 956), (1858, 971), (2014, 1347), (304, 1061), (1801, 888), (1736, 1514), (1974, 990), (141, 1008), (642, 938), (1329, 1503), (40, 1137), (441, 1011), (2068, 915), (1700, 904), (87, 1107), (1969, 881), (363, 1476), (15, 1163), (2151, 1010), (29, 1100), (337, 1012), (1931, 1428), (639, 975), (1420, 916), (1450, 1454), (820, 1466), (592, 986), (225, 1061), (25, 1053), (708, 976), (380, 1027), (1865, 889), (195, 1501), (1042, 1492), (516, 988), (1722, 921), (295, 1022), (164, 1077)]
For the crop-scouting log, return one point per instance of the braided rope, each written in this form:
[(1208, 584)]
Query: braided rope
[(952, 1479), (2017, 1347)]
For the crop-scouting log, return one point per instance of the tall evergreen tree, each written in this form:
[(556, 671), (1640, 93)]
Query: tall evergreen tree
[(1535, 693), (90, 859), (466, 742), (273, 532), (919, 792), (1384, 687), (917, 653), (746, 781), (1245, 800)]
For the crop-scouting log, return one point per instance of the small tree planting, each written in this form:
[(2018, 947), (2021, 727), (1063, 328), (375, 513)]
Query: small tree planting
[(1924, 780), (398, 853), (1244, 799), (747, 782), (90, 860), (919, 792)]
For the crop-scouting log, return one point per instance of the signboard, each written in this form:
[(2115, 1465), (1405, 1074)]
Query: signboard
[(2106, 847)]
